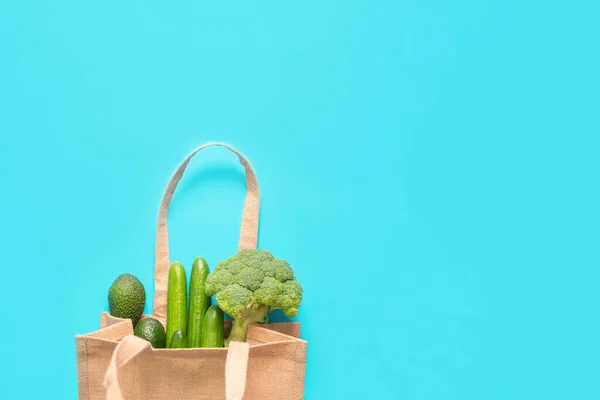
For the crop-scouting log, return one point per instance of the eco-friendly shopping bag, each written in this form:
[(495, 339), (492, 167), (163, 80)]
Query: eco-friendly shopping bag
[(114, 364)]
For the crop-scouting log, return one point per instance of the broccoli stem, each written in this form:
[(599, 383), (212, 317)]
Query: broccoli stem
[(239, 327), (239, 331)]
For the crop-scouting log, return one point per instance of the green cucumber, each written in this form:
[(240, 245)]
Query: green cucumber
[(176, 301), (212, 334), (179, 340), (199, 302)]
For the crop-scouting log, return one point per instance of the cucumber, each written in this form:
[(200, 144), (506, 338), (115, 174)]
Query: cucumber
[(176, 301), (199, 302), (179, 340), (212, 334)]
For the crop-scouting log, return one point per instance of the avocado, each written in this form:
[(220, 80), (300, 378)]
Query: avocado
[(153, 331), (127, 298)]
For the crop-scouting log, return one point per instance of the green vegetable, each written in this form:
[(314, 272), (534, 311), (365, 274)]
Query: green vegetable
[(251, 284), (179, 340), (127, 298), (153, 331), (199, 301), (212, 335), (176, 301)]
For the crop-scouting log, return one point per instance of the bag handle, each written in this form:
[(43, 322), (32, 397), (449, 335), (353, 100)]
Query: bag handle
[(236, 366), (248, 230)]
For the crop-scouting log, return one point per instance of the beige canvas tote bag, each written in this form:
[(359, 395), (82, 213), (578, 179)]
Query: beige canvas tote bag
[(114, 364)]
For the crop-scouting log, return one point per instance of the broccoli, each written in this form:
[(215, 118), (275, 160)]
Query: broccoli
[(249, 285)]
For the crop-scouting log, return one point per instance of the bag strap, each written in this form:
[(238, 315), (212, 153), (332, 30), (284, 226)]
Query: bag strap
[(248, 230), (129, 347), (236, 366)]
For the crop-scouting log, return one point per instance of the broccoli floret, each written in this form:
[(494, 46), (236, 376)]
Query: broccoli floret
[(251, 284)]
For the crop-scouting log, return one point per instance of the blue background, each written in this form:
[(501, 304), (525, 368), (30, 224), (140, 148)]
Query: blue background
[(429, 168)]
